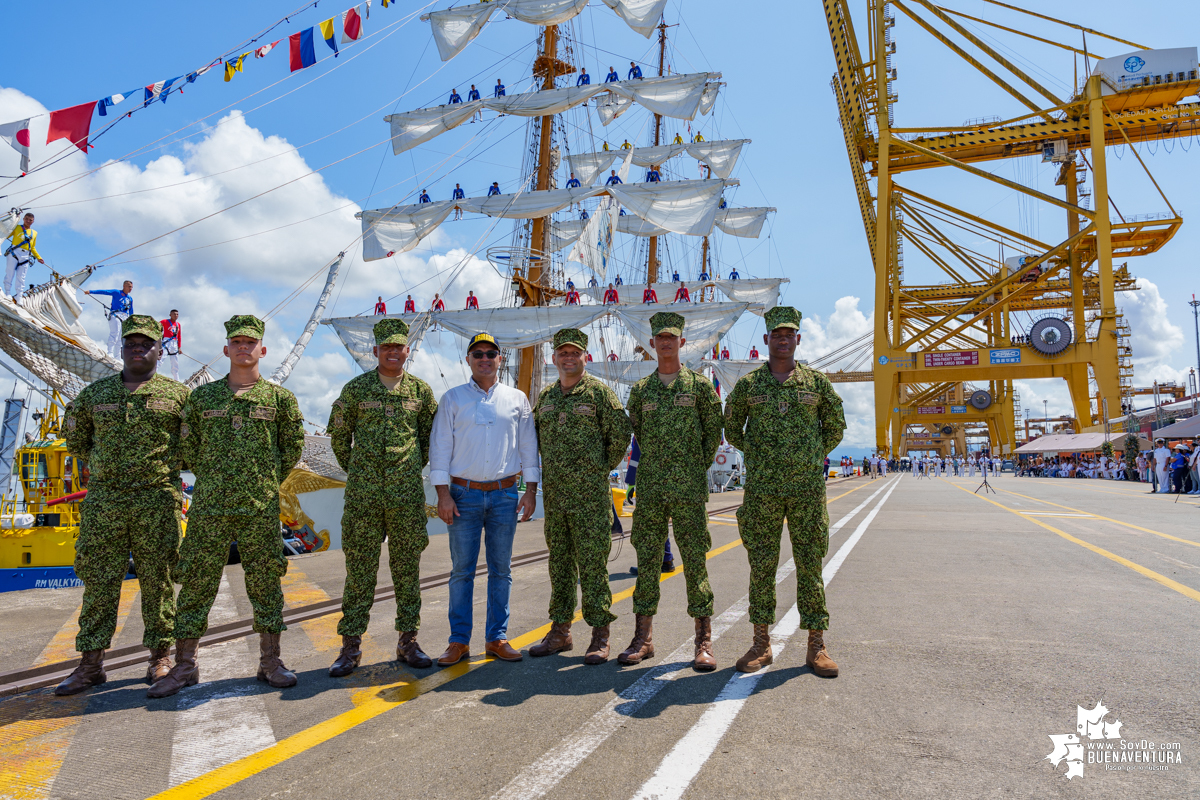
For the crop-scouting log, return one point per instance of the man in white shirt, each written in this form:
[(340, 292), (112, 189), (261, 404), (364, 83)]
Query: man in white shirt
[(483, 437), (1162, 457)]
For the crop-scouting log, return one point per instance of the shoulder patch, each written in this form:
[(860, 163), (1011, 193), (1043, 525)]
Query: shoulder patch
[(263, 412), (338, 403), (338, 420), (70, 423), (216, 412), (685, 400), (105, 407)]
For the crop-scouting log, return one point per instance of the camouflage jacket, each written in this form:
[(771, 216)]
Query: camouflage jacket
[(582, 435), (785, 429), (678, 428), (130, 441), (381, 438), (241, 447)]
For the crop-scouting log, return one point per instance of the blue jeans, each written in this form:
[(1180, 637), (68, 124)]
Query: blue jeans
[(491, 516)]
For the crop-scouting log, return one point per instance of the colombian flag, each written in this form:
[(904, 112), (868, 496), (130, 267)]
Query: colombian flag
[(301, 45), (329, 35)]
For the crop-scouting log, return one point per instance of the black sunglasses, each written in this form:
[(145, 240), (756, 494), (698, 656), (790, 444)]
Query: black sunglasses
[(478, 354)]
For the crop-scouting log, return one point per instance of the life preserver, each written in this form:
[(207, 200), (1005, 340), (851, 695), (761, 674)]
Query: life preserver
[(720, 458)]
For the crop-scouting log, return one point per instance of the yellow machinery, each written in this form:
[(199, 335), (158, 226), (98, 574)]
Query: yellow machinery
[(930, 338), (35, 533)]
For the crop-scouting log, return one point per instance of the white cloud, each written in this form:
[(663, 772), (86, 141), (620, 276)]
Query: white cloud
[(1157, 342), (820, 336)]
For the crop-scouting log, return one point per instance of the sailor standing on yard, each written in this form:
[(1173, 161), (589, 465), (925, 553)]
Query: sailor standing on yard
[(126, 428), (582, 436), (20, 253), (379, 429), (119, 310), (785, 417), (172, 340), (676, 416), (241, 436)]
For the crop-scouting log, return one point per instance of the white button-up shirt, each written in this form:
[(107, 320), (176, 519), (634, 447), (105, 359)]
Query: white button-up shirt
[(483, 436)]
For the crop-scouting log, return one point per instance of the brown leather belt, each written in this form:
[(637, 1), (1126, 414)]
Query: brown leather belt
[(486, 486)]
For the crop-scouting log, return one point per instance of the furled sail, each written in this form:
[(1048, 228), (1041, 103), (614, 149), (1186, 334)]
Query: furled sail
[(358, 336), (641, 15), (721, 156), (454, 28), (756, 291), (289, 362), (676, 96), (625, 372), (761, 293), (744, 222), (687, 207), (705, 324), (730, 371)]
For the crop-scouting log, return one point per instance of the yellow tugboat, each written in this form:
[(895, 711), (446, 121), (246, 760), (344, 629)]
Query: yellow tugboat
[(40, 522)]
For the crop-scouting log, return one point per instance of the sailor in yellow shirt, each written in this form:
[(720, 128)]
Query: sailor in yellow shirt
[(20, 253), (678, 139), (698, 137)]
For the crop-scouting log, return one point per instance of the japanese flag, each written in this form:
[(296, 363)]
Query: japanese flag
[(352, 22), (17, 135)]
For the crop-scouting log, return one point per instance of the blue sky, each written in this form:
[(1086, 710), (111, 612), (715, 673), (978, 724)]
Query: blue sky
[(231, 141)]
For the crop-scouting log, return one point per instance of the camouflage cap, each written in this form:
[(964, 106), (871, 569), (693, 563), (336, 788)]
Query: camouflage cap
[(391, 331), (140, 323), (782, 317), (245, 325), (572, 336), (666, 322)]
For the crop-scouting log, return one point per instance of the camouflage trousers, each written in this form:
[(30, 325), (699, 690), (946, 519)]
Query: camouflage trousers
[(760, 522), (579, 540), (202, 559), (363, 530), (147, 525), (694, 541)]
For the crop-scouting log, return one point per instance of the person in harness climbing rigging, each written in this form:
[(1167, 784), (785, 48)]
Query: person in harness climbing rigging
[(20, 253), (120, 309)]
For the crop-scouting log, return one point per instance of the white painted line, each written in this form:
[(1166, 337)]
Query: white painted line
[(214, 726), (1055, 514), (544, 774), (681, 766)]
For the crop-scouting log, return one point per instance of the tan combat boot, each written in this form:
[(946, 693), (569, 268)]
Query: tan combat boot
[(408, 651), (160, 664), (704, 661), (184, 673), (642, 646), (270, 665), (818, 656), (90, 672), (558, 640), (597, 652), (759, 655), (347, 660)]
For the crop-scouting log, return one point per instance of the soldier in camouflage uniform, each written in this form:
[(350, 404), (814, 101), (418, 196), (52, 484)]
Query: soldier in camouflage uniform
[(582, 434), (126, 429), (379, 427), (676, 417), (241, 436), (786, 418)]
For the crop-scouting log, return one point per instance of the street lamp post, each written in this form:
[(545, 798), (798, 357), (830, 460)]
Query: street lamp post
[(1195, 304)]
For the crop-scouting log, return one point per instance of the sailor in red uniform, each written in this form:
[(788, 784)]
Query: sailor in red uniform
[(589, 358), (380, 306), (172, 341), (610, 296), (472, 301), (754, 353), (438, 304), (572, 297), (724, 353), (681, 294), (409, 306), (612, 355), (648, 294)]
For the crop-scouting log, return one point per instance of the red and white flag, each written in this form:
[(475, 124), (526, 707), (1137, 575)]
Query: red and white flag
[(352, 21), (266, 48), (17, 135)]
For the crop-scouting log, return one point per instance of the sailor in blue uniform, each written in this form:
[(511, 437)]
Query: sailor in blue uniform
[(499, 90), (612, 178), (618, 281), (704, 275), (473, 94), (675, 276), (592, 282), (424, 198), (733, 274), (119, 310), (573, 183), (494, 188), (454, 98), (613, 77), (584, 79), (635, 72), (653, 175), (583, 213), (457, 194)]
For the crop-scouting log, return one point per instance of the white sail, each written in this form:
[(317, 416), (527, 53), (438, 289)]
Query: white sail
[(721, 156), (744, 222), (518, 327), (358, 336), (676, 96), (761, 293), (705, 324), (641, 15), (594, 242), (9, 222), (709, 98), (285, 369), (756, 291), (564, 234), (687, 207), (453, 29), (624, 372), (730, 371)]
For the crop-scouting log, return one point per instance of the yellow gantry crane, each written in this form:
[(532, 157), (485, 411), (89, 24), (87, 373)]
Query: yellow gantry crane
[(946, 354)]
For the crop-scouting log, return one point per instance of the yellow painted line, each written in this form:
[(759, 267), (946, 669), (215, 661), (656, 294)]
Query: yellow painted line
[(1186, 591), (299, 591), (1106, 519), (382, 700), (843, 494)]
